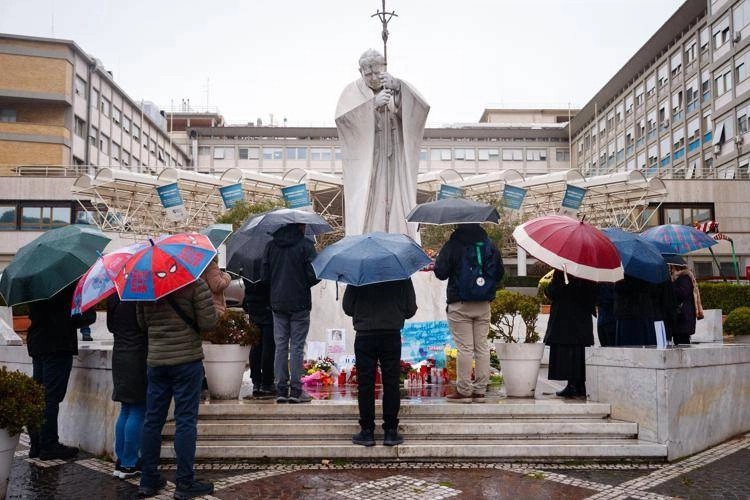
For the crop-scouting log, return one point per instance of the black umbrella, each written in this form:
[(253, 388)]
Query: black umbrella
[(247, 245), (453, 211)]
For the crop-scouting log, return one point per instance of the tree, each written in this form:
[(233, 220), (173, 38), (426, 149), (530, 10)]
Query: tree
[(240, 212)]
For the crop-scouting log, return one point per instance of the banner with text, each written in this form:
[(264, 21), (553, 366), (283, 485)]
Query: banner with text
[(513, 197), (447, 191), (573, 197), (171, 200), (296, 196), (426, 339), (231, 194)]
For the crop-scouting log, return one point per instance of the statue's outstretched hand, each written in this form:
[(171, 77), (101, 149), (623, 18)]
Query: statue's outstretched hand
[(382, 98), (388, 82)]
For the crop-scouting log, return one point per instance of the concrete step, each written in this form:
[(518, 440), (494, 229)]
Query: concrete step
[(429, 429), (496, 449), (321, 410)]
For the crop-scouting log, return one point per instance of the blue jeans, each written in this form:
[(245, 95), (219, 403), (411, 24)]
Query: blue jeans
[(183, 382), (290, 333), (128, 430), (53, 372)]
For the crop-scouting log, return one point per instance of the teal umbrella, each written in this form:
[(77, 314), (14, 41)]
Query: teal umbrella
[(51, 262), (217, 233)]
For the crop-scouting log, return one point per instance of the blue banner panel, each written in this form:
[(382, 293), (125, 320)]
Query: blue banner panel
[(447, 191), (171, 200), (296, 196), (232, 194), (423, 340), (513, 197), (573, 197)]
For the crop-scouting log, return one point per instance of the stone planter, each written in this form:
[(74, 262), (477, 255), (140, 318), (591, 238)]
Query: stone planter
[(225, 365), (21, 324), (520, 366), (544, 308), (8, 445)]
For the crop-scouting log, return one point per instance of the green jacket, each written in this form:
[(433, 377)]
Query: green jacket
[(171, 341)]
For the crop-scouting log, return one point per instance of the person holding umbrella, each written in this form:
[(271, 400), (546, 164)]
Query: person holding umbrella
[(687, 297), (379, 296)]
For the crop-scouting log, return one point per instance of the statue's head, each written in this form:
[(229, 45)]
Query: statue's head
[(371, 66)]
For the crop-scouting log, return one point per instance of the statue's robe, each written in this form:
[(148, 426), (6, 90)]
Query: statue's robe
[(380, 171)]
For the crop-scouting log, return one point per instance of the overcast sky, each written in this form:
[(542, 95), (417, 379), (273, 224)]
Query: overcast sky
[(292, 58)]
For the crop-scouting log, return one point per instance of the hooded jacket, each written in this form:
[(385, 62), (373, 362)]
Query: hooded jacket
[(380, 306), (53, 330), (287, 268), (447, 262)]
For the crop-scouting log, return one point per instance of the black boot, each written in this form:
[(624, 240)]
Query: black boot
[(365, 437), (569, 391), (581, 390), (392, 437)]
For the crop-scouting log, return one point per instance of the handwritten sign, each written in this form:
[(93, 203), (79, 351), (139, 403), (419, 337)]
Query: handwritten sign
[(422, 340)]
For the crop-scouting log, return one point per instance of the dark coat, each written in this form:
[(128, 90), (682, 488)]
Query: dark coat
[(257, 303), (570, 317), (447, 262), (287, 268), (605, 301), (128, 353), (664, 305), (380, 306), (53, 330), (633, 299), (684, 323)]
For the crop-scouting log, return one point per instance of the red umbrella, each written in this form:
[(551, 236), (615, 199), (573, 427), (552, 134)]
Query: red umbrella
[(572, 246)]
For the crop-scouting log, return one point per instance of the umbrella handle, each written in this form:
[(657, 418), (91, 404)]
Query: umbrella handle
[(565, 273)]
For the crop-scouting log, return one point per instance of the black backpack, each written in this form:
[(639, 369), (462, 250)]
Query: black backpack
[(478, 272)]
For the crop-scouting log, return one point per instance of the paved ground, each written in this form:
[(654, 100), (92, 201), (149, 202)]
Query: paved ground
[(721, 472)]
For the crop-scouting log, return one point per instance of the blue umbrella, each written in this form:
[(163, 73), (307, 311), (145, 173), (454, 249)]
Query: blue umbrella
[(370, 258), (640, 258), (677, 239), (217, 233)]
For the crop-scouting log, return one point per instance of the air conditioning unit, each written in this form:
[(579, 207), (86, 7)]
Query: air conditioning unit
[(737, 36), (738, 140), (717, 149)]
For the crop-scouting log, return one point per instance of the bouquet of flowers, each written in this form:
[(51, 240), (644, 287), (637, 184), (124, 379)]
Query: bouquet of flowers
[(406, 368), (319, 372), (450, 361)]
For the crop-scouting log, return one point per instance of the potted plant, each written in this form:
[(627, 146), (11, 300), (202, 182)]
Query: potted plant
[(225, 353), (21, 405), (519, 361)]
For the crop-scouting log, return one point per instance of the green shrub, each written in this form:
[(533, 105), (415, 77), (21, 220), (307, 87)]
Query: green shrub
[(21, 402), (544, 282), (724, 296), (738, 322), (504, 310), (234, 328)]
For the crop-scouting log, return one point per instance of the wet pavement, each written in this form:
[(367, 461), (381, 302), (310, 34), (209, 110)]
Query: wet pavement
[(721, 472)]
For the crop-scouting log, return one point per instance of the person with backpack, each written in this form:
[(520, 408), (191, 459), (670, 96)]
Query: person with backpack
[(474, 268)]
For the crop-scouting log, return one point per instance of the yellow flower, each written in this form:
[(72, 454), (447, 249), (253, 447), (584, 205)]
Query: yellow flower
[(454, 353)]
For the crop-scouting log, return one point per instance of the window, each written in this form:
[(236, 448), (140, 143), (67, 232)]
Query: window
[(704, 38), (204, 151), (723, 80), (512, 155), (741, 64), (104, 143), (125, 158), (488, 154), (80, 127), (723, 130), (116, 115), (742, 126), (92, 136), (665, 151), (691, 94), (291, 153), (705, 86), (338, 157), (741, 16), (160, 154), (126, 124), (464, 154), (440, 154), (707, 125), (676, 63), (688, 214), (115, 151), (602, 126), (664, 114), (691, 53), (7, 115), (721, 32), (321, 154), (153, 145), (136, 133), (620, 145), (94, 98), (694, 132), (641, 161), (219, 153), (611, 121), (105, 106), (651, 122), (651, 85), (251, 153), (36, 218), (661, 76), (619, 113), (272, 153), (678, 139), (536, 155), (653, 154), (562, 154), (79, 86), (628, 104), (703, 269), (677, 105), (8, 218), (639, 95)]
